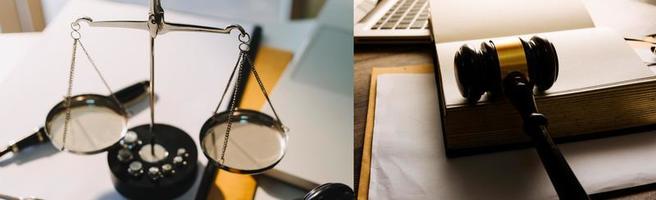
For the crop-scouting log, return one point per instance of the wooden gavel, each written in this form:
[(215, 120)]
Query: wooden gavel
[(514, 67), (482, 71)]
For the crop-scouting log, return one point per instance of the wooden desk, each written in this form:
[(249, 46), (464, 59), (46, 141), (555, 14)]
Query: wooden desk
[(367, 57)]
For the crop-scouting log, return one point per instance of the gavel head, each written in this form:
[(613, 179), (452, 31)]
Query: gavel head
[(482, 71)]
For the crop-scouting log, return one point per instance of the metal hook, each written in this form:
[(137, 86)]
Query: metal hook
[(83, 19), (75, 26), (244, 38), (241, 30)]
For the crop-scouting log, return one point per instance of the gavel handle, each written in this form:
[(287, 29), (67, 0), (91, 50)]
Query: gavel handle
[(520, 93), (561, 175)]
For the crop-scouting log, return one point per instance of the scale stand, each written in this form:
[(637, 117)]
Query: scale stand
[(155, 161)]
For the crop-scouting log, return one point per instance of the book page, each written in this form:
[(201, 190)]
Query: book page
[(455, 20), (587, 58)]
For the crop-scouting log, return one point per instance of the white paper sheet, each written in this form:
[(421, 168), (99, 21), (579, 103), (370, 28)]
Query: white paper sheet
[(593, 52), (313, 98), (408, 159), (455, 20), (191, 69), (13, 47)]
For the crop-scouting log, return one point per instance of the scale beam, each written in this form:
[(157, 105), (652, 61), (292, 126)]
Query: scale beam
[(165, 28), (173, 27), (156, 25), (141, 25)]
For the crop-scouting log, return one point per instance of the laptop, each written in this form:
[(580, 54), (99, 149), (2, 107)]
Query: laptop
[(391, 21)]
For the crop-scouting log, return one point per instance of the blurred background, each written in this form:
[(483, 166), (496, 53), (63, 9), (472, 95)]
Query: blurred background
[(299, 15), (33, 15)]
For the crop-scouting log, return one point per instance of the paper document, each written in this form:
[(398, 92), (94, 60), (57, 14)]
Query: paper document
[(409, 162), (311, 97)]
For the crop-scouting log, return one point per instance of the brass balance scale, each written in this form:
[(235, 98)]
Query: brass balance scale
[(157, 160)]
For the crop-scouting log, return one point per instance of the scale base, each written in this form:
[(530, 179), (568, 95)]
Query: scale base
[(166, 174)]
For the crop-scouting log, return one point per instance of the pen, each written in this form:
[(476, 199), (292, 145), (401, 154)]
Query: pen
[(125, 96), (645, 40)]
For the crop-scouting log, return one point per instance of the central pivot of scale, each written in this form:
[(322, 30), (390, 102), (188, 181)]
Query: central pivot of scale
[(140, 171)]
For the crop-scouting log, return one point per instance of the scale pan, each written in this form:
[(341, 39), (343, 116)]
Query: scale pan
[(257, 142), (97, 123)]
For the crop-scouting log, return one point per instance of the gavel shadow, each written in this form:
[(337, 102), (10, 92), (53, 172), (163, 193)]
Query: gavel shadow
[(47, 149), (513, 173), (520, 174), (631, 143)]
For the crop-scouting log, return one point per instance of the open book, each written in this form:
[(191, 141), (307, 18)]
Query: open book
[(602, 84)]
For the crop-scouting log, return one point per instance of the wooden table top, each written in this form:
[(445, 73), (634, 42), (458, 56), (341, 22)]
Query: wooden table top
[(368, 56)]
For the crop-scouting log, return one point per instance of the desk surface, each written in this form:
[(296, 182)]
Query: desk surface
[(367, 57)]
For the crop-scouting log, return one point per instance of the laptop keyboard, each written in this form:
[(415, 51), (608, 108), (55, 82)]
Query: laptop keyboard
[(404, 15)]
